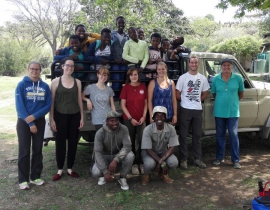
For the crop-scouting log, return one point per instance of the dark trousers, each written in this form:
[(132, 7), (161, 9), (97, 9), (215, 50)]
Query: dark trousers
[(135, 131), (194, 118), (24, 138), (67, 129)]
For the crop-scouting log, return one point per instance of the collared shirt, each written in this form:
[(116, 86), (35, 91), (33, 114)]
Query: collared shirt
[(227, 99), (135, 52), (158, 141)]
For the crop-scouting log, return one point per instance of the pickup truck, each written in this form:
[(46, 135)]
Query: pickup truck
[(254, 107)]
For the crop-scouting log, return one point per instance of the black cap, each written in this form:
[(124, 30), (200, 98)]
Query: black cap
[(226, 60)]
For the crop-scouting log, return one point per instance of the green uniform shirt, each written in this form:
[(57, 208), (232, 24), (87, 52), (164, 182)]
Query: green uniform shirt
[(227, 99)]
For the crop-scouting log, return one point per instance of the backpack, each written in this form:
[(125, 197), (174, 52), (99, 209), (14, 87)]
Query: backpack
[(261, 203)]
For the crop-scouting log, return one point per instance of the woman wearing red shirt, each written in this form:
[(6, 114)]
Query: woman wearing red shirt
[(134, 105)]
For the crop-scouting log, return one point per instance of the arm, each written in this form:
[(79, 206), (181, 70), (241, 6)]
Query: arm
[(174, 101), (90, 54), (126, 144), (80, 102), (125, 110), (126, 53), (178, 95), (63, 54), (88, 101), (54, 85), (241, 95), (150, 91), (94, 35), (142, 120), (112, 104), (146, 56), (203, 95)]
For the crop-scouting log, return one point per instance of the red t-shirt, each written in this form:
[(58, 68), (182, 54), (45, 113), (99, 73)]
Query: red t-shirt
[(135, 98)]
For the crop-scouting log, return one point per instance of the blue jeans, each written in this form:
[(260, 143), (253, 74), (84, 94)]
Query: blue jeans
[(232, 125), (118, 76)]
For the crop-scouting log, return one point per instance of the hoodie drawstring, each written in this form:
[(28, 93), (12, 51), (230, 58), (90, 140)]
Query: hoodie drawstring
[(35, 94)]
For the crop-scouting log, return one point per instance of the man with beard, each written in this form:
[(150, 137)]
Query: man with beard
[(156, 154)]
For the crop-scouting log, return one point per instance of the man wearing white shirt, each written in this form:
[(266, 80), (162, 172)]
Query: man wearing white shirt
[(191, 89)]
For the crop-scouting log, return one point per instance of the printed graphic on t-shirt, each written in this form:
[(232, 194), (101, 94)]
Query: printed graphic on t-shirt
[(101, 100), (193, 93), (141, 91)]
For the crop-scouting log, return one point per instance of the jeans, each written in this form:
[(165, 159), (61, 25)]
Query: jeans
[(232, 125), (118, 76)]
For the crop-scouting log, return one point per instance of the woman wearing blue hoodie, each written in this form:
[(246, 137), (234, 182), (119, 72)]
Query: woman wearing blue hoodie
[(33, 102)]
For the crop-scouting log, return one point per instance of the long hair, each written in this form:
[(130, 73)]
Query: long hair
[(129, 72), (166, 76)]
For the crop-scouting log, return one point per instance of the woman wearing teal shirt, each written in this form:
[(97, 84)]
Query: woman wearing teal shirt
[(227, 89)]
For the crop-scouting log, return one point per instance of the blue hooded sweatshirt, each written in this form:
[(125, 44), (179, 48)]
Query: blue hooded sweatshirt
[(32, 98)]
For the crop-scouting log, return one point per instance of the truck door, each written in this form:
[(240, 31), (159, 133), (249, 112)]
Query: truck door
[(248, 105)]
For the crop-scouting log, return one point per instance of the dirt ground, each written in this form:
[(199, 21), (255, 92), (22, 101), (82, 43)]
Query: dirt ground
[(219, 187)]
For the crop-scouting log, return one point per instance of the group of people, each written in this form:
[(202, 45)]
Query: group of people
[(132, 145)]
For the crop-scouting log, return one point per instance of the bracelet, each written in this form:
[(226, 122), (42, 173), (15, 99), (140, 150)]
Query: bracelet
[(160, 161), (163, 165), (130, 118)]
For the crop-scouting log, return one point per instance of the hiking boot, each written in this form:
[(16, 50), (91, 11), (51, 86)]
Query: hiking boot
[(236, 165), (141, 169), (101, 181), (166, 178), (24, 186), (123, 183), (217, 162), (135, 170), (37, 182), (199, 163), (145, 179), (183, 164)]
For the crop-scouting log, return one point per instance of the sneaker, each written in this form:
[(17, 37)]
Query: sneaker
[(217, 162), (236, 165), (145, 179), (24, 186), (141, 169), (183, 164), (101, 181), (37, 182), (199, 163), (166, 178), (123, 183), (135, 170)]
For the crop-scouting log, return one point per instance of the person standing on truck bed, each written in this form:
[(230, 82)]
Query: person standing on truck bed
[(101, 100), (33, 101), (112, 148), (119, 38), (161, 92), (100, 53), (227, 89), (66, 117), (85, 38), (135, 50), (191, 89), (134, 105)]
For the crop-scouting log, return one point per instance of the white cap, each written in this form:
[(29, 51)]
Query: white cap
[(160, 109)]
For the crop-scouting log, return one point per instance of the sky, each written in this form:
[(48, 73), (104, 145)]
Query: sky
[(190, 8)]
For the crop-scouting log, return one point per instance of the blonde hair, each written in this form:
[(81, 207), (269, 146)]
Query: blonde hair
[(166, 76), (103, 70)]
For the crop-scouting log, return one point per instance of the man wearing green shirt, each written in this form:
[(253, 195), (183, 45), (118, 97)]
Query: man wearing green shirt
[(227, 89)]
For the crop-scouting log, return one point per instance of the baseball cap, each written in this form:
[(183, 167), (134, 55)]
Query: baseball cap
[(226, 60), (112, 114), (160, 109)]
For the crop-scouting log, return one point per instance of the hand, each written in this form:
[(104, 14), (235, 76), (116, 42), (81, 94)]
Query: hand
[(112, 166), (157, 168), (173, 57), (81, 123), (58, 51), (29, 119), (174, 120), (117, 61), (125, 61), (151, 120), (140, 70), (104, 62), (142, 120), (33, 129), (165, 170), (74, 57), (53, 125), (134, 122), (108, 177), (89, 105), (139, 62)]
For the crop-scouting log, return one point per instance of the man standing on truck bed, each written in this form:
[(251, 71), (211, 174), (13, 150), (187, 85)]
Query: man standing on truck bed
[(191, 89), (227, 89)]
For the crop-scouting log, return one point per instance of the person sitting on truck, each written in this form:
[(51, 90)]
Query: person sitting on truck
[(66, 117), (227, 89), (166, 53), (158, 144), (135, 50), (154, 55), (191, 89), (161, 92), (100, 53), (134, 105), (176, 44), (101, 100), (74, 52), (140, 32), (119, 38), (112, 147), (85, 38)]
